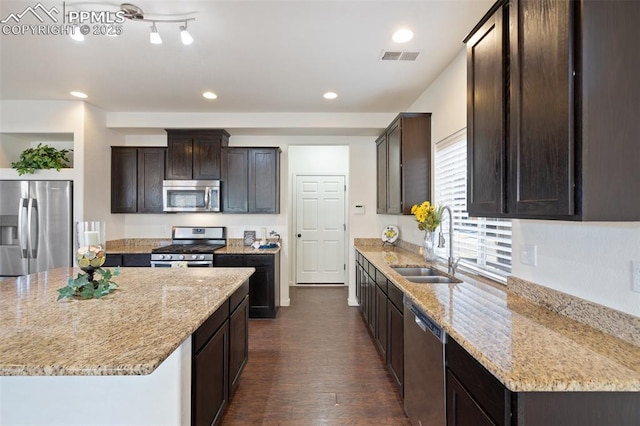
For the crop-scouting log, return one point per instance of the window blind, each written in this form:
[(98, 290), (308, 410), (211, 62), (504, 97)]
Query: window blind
[(482, 244)]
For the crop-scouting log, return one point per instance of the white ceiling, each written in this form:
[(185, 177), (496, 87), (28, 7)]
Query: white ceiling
[(258, 56)]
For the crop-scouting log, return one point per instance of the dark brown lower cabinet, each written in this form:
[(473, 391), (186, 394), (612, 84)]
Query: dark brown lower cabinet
[(210, 384), (219, 354), (462, 409), (264, 284), (381, 321), (476, 397), (142, 260), (381, 308)]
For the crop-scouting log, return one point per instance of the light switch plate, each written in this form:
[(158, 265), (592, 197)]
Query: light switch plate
[(529, 254), (358, 209)]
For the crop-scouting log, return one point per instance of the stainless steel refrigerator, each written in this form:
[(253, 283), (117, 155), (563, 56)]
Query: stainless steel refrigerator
[(35, 226)]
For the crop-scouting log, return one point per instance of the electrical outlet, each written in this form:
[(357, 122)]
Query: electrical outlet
[(529, 254), (635, 276)]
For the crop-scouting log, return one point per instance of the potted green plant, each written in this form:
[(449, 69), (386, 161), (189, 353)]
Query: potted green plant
[(41, 157)]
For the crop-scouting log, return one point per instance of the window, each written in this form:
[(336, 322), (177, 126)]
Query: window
[(482, 244)]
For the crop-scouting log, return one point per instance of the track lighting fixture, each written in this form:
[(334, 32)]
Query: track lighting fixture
[(134, 13)]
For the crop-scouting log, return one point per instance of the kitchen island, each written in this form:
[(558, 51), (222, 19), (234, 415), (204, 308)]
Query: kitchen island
[(122, 359)]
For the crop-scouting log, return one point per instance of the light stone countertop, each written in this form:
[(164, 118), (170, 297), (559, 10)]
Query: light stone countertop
[(140, 245), (524, 345), (237, 249), (128, 332)]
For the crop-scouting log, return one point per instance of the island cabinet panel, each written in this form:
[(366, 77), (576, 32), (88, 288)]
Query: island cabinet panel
[(195, 154), (210, 382), (550, 111), (220, 351), (403, 163), (238, 343), (251, 180), (264, 284), (136, 179)]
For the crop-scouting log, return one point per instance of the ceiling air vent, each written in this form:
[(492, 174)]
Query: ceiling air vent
[(397, 55)]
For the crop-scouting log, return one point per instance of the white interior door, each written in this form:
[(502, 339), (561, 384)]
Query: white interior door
[(320, 229)]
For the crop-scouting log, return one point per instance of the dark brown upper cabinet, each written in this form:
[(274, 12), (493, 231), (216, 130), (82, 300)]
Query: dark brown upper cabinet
[(403, 163), (567, 148), (195, 154), (251, 180), (486, 106), (136, 179)]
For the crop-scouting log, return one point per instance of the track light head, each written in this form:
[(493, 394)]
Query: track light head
[(154, 36), (184, 34)]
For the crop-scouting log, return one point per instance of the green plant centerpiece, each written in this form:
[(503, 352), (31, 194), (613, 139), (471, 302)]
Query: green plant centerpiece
[(85, 286), (41, 157)]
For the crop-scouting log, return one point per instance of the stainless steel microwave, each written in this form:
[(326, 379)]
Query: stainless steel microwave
[(191, 195)]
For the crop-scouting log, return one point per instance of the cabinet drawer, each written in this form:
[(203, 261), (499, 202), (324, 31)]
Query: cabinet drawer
[(238, 296), (486, 390), (208, 328), (395, 295), (381, 281)]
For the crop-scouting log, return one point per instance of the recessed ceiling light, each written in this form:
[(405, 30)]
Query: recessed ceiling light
[(79, 95), (330, 95), (210, 95), (403, 35)]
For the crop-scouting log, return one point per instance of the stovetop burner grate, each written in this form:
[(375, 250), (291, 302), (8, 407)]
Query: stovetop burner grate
[(188, 248)]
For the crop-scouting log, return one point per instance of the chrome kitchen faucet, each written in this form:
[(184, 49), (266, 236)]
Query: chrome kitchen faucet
[(452, 264)]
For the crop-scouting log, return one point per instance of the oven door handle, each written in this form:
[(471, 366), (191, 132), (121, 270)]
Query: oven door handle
[(188, 263)]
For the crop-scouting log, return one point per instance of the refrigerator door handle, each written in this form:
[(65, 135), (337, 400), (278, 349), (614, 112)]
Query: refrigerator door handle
[(33, 243), (22, 228)]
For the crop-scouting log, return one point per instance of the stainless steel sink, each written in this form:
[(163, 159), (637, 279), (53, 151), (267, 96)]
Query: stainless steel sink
[(424, 275), (434, 279), (416, 272)]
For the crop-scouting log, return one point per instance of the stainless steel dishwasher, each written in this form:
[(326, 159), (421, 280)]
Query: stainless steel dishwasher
[(424, 374)]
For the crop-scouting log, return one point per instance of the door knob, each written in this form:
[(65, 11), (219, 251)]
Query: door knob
[(299, 235)]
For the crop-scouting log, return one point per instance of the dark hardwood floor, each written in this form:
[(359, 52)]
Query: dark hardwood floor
[(314, 365)]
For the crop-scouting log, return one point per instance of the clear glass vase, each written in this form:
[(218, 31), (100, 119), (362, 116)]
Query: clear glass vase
[(429, 246), (91, 247)]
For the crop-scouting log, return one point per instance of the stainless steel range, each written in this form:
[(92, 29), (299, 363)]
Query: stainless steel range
[(190, 247)]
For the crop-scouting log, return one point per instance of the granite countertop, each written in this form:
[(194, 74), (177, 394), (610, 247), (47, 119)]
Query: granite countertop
[(145, 245), (129, 332), (238, 249), (524, 345), (135, 245)]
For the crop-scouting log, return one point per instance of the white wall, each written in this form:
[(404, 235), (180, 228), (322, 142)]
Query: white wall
[(588, 260), (96, 196), (49, 117)]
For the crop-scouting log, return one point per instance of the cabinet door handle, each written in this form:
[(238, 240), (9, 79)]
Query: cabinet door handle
[(299, 235)]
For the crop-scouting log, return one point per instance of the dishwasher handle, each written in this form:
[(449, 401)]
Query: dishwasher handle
[(426, 323)]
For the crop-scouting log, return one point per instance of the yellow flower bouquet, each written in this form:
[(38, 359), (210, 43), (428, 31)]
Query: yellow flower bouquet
[(427, 215)]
